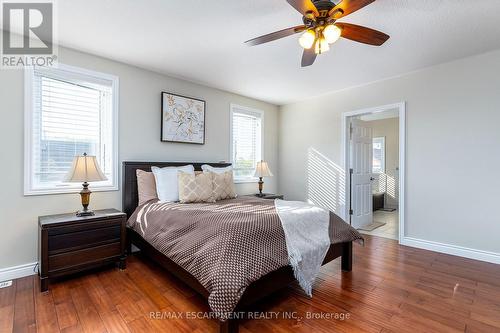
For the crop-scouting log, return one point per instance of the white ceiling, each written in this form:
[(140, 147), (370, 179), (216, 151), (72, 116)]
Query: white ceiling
[(202, 41)]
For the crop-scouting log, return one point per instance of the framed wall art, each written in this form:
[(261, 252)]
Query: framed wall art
[(182, 119)]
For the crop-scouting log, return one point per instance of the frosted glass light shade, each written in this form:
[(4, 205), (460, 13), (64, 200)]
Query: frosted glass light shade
[(307, 39), (332, 33), (85, 169), (321, 46)]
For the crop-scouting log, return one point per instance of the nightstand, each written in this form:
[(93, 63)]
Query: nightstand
[(269, 196), (69, 244)]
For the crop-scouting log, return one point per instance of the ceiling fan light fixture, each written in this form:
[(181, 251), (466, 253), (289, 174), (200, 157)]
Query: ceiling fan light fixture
[(320, 28), (332, 33), (307, 39), (321, 46)]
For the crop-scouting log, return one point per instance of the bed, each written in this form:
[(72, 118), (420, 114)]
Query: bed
[(258, 289)]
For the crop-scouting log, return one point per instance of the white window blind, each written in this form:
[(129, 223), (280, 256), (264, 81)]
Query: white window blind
[(246, 142), (378, 155), (71, 113)]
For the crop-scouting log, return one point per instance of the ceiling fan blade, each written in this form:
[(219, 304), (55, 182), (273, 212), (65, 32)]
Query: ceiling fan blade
[(361, 34), (304, 6), (276, 35), (346, 7), (308, 57)]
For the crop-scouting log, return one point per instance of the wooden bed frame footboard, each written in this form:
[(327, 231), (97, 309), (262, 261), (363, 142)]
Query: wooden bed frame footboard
[(256, 291)]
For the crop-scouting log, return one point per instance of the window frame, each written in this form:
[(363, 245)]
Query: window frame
[(29, 102), (234, 108), (383, 169)]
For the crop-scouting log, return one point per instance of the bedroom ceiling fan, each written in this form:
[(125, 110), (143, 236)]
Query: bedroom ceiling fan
[(320, 28)]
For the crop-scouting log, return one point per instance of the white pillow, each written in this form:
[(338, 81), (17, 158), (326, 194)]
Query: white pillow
[(167, 183), (208, 168)]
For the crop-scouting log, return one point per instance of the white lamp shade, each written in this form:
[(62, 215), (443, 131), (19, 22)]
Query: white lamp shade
[(262, 170), (85, 169)]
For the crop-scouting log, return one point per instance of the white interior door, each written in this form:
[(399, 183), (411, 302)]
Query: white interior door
[(361, 173)]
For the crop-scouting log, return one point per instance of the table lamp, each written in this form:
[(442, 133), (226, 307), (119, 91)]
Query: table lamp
[(262, 170), (85, 169)]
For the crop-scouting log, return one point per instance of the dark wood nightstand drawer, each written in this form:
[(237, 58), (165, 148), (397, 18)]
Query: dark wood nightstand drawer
[(83, 239), (85, 256), (84, 226)]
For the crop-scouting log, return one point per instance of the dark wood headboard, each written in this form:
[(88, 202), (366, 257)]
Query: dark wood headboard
[(130, 197)]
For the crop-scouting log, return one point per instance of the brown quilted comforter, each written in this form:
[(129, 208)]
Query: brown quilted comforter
[(225, 245)]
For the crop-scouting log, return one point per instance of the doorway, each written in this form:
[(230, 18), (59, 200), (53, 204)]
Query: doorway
[(374, 156)]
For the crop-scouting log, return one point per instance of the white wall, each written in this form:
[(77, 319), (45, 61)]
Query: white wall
[(389, 180), (453, 148), (139, 139)]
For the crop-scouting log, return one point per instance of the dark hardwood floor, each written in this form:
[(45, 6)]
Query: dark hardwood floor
[(391, 289)]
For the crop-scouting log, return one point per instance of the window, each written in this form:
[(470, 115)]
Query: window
[(69, 111), (246, 139), (379, 155)]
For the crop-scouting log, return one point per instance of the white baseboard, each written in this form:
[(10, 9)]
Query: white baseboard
[(16, 272), (455, 250)]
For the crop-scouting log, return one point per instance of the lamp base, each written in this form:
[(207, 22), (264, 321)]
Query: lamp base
[(85, 195), (83, 213), (261, 186)]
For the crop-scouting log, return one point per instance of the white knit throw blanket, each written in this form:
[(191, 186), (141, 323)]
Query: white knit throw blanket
[(307, 239)]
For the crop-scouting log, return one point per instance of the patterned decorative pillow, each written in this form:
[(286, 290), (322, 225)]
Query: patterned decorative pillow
[(223, 185), (196, 188)]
